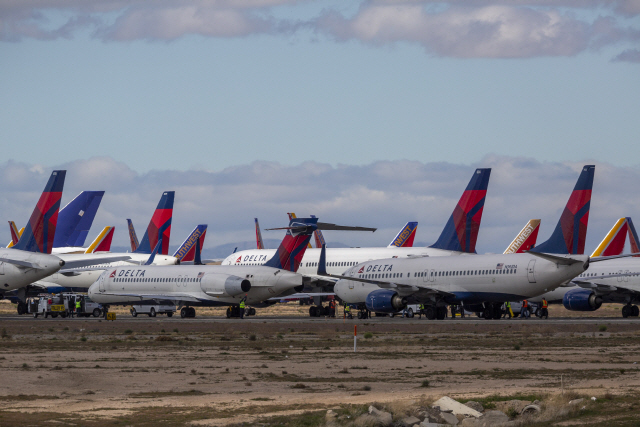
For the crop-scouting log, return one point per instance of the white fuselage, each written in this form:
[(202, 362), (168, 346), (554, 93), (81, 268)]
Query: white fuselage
[(191, 284), (338, 259), (628, 268), (84, 279), (14, 277), (482, 278)]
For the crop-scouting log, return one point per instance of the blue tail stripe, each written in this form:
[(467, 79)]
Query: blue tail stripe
[(75, 219)]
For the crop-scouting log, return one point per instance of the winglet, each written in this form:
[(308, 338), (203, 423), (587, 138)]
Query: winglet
[(633, 237), (461, 231), (404, 239), (526, 239), (259, 242), (571, 232), (41, 228), (133, 237), (154, 252), (197, 257), (322, 263), (613, 243)]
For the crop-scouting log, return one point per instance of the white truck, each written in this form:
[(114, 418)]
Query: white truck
[(153, 310)]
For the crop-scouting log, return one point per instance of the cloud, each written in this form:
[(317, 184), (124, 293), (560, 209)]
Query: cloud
[(382, 194), (629, 55), (454, 28)]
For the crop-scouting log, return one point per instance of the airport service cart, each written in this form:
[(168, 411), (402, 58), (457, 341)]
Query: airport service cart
[(153, 309), (49, 305)]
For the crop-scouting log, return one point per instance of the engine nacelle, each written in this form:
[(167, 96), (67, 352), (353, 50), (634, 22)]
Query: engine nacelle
[(224, 285), (581, 300), (385, 301)]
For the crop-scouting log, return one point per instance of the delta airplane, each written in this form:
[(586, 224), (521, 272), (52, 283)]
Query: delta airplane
[(612, 281), (81, 278), (212, 285), (482, 282), (30, 259), (458, 238)]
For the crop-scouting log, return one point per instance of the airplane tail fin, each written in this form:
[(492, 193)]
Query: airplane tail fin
[(41, 228), (526, 239), (633, 238), (318, 237), (159, 226), (571, 232), (133, 237), (404, 239), (293, 246), (259, 242), (293, 216), (15, 234), (461, 231), (76, 218), (187, 251), (102, 243), (613, 243)]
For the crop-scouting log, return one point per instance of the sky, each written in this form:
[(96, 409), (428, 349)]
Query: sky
[(368, 112)]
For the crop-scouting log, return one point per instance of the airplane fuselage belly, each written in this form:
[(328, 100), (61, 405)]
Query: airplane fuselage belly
[(14, 277)]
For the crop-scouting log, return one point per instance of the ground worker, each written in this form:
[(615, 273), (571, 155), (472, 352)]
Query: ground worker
[(72, 307), (347, 311), (507, 309), (461, 308), (544, 312), (332, 308), (453, 311), (421, 306), (524, 311), (242, 305), (78, 308)]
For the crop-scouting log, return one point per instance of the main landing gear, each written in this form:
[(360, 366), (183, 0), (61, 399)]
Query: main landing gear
[(432, 312), (187, 312), (630, 311), (234, 311)]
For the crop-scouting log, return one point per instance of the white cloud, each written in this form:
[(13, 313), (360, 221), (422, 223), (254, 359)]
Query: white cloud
[(370, 195)]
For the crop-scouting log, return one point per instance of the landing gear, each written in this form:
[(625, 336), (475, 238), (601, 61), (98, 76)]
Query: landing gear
[(635, 311), (492, 311), (234, 311), (630, 311), (319, 311), (441, 313), (188, 312), (430, 312), (22, 308), (364, 314)]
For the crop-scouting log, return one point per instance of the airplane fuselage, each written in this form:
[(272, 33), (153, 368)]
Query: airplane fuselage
[(14, 277)]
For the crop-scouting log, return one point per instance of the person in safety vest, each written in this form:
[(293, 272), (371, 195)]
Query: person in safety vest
[(242, 306), (544, 312), (421, 307), (347, 311), (332, 308), (78, 306), (507, 309), (524, 311)]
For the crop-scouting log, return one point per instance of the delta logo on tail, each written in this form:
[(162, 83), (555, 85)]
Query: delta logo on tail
[(570, 234), (160, 225), (461, 231), (613, 243), (41, 229), (187, 251), (406, 236), (526, 239)]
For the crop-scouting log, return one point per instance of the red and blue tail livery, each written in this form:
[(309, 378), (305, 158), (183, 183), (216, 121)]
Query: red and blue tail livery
[(570, 234), (404, 239), (461, 232), (133, 237), (259, 242), (187, 250), (289, 254), (40, 230), (160, 225)]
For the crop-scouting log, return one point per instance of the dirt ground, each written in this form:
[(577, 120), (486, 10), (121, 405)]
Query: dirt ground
[(206, 371)]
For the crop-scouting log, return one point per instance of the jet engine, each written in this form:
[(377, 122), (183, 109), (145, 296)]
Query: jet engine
[(581, 300), (224, 285), (385, 301)]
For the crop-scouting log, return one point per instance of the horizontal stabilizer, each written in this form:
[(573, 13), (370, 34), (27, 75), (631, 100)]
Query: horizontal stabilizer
[(556, 259)]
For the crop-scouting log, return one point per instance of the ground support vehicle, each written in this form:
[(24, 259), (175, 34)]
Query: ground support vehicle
[(48, 305), (88, 307), (153, 309)]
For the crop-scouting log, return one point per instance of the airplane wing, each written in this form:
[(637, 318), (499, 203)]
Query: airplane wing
[(603, 289), (88, 262), (19, 263), (303, 295)]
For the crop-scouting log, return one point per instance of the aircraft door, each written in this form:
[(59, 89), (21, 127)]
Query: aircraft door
[(425, 276), (530, 271), (101, 282), (626, 276)]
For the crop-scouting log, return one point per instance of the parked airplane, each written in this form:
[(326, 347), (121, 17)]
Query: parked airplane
[(81, 278), (483, 281), (458, 237), (132, 236), (259, 242), (187, 251), (612, 281), (212, 285), (526, 239)]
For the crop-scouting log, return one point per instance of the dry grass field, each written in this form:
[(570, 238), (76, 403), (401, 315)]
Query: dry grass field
[(208, 371)]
